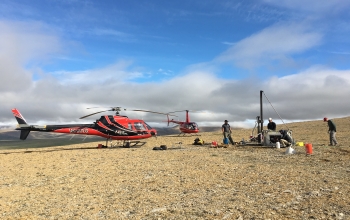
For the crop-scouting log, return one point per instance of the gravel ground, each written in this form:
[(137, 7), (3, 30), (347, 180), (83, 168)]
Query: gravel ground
[(183, 182)]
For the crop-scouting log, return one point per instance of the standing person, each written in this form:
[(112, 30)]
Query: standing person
[(271, 125), (331, 130), (226, 131)]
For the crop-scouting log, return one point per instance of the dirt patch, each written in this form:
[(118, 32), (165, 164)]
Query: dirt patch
[(183, 182)]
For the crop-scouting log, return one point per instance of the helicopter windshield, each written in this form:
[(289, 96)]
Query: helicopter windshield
[(193, 126), (139, 126), (149, 127)]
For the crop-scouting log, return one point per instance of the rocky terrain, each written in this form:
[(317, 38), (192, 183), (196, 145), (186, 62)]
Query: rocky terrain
[(81, 181)]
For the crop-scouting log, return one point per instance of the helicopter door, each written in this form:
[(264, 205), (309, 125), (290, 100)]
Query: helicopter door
[(194, 126), (130, 126)]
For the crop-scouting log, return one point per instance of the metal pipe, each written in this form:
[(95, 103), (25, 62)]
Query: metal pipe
[(260, 120), (261, 112)]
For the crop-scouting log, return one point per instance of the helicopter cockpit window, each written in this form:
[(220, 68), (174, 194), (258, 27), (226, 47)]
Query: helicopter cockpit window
[(139, 126), (149, 127), (193, 126)]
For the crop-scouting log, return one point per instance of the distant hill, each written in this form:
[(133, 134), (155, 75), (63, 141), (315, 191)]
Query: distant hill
[(14, 135), (10, 134), (9, 139), (176, 130)]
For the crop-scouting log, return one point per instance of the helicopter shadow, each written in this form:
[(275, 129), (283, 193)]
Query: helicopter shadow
[(135, 145), (182, 135), (58, 149)]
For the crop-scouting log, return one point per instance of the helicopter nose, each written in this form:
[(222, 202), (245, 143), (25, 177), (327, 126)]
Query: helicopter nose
[(154, 133)]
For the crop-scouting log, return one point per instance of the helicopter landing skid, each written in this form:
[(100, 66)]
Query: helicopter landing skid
[(188, 135)]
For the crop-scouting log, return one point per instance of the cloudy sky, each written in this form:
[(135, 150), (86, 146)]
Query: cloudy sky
[(60, 57)]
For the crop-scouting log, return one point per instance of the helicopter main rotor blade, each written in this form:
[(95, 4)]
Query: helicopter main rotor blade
[(193, 111), (183, 111), (93, 114), (178, 111), (117, 109), (111, 108), (139, 110), (93, 107)]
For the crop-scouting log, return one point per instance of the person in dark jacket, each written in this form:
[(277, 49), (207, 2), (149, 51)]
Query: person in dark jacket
[(226, 131), (331, 130), (286, 139), (271, 125)]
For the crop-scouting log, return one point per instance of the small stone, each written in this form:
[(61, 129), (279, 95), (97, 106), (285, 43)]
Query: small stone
[(340, 216), (159, 210)]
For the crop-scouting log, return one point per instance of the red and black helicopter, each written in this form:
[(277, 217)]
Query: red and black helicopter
[(186, 127), (111, 127)]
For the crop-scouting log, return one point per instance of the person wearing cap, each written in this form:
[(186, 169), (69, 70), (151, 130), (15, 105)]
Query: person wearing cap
[(271, 125), (226, 131), (331, 130)]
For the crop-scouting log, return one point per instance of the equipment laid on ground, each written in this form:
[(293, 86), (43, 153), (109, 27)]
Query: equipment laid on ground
[(177, 145), (308, 148), (198, 141), (290, 150), (299, 144), (268, 137), (162, 147)]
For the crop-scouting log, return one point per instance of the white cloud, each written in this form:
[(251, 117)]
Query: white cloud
[(28, 41), (310, 94), (228, 43), (21, 45), (114, 72), (110, 32), (316, 6), (274, 43)]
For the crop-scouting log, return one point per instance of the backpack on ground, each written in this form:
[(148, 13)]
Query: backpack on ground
[(198, 141)]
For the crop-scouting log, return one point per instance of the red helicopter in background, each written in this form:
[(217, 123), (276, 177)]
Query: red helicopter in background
[(186, 127), (111, 127)]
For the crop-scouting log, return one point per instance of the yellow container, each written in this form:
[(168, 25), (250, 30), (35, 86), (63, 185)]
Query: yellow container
[(300, 144)]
